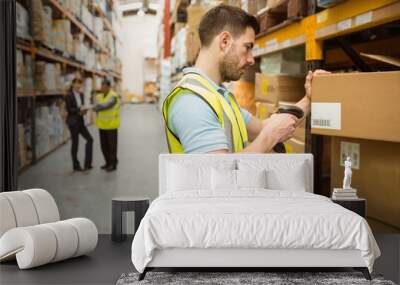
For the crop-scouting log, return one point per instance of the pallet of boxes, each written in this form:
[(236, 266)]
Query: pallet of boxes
[(360, 113)]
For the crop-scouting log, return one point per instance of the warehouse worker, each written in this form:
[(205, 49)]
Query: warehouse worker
[(74, 102), (108, 120), (201, 115)]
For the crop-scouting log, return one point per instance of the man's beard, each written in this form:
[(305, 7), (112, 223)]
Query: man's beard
[(229, 68)]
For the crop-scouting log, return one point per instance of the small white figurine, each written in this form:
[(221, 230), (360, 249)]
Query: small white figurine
[(347, 174)]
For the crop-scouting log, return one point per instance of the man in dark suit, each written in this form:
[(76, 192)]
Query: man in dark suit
[(75, 108)]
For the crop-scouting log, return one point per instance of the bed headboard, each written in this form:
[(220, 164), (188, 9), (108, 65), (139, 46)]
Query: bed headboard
[(273, 159)]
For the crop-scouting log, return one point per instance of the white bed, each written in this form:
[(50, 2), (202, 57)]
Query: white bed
[(202, 220)]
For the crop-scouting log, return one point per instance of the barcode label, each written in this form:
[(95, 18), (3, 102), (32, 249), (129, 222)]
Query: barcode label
[(364, 18), (326, 116), (321, 122), (271, 45), (286, 43), (322, 17), (344, 25)]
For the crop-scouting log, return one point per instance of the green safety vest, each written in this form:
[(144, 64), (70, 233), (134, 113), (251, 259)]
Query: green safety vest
[(108, 119), (229, 115)]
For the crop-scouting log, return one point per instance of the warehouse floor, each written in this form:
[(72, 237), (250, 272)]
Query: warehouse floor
[(88, 194)]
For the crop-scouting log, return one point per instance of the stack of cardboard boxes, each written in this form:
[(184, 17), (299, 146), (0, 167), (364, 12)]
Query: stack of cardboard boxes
[(361, 113), (22, 19), (50, 127), (24, 80), (22, 147), (253, 7), (42, 23), (62, 37), (98, 27), (47, 77), (74, 6), (273, 91), (194, 14), (86, 17), (178, 49)]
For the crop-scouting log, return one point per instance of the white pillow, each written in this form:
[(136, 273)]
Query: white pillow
[(223, 179), (188, 177), (282, 174), (251, 178), (293, 178)]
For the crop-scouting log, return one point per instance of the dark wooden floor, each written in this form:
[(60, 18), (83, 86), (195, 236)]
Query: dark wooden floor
[(103, 266), (110, 260)]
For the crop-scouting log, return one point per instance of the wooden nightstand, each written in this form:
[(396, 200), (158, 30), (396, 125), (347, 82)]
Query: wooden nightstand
[(357, 205)]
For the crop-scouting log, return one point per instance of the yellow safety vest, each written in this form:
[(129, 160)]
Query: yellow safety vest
[(201, 87), (108, 119)]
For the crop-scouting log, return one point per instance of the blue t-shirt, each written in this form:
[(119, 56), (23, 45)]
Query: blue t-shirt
[(195, 123)]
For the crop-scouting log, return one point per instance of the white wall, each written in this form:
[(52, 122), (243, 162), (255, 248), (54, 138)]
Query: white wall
[(140, 41)]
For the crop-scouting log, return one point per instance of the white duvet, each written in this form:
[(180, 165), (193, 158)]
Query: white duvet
[(253, 218)]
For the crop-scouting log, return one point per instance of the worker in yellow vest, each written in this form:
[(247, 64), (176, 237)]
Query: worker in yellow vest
[(201, 115), (108, 121)]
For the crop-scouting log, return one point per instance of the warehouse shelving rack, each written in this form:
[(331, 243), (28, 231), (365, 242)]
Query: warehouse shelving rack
[(106, 22), (38, 51), (345, 18), (315, 32)]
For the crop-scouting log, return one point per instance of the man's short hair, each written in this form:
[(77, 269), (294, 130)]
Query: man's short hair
[(224, 17), (106, 82), (76, 79)]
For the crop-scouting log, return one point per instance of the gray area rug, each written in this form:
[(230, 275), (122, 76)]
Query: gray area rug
[(244, 278)]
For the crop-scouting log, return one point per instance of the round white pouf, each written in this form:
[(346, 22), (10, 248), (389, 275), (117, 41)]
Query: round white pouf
[(67, 240), (6, 215), (45, 205), (33, 246), (23, 208), (87, 234)]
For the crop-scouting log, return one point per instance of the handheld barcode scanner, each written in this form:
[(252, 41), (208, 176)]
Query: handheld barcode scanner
[(287, 109)]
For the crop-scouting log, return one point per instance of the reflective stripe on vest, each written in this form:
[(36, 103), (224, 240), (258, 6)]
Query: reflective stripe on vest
[(228, 114), (108, 119)]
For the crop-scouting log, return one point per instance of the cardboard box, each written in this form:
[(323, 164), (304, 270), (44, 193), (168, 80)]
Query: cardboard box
[(294, 146), (149, 88), (377, 178), (275, 88), (296, 8), (22, 21), (244, 94), (192, 46), (296, 54), (236, 3), (264, 110), (300, 132), (357, 105), (194, 14), (267, 20)]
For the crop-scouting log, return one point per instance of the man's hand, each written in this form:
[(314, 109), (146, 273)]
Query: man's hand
[(309, 79), (83, 111), (280, 126)]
